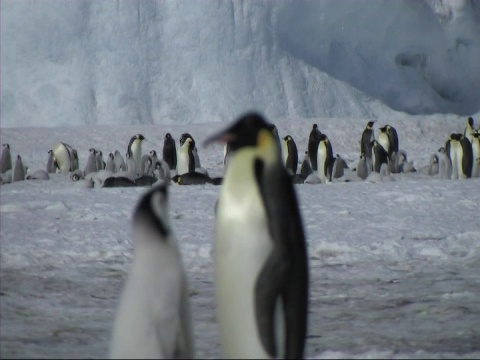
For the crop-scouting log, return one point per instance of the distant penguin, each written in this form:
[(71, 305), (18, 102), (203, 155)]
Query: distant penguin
[(99, 160), (18, 170), (91, 165), (339, 167), (388, 138), (380, 156), (153, 156), (260, 260), (38, 175), (6, 159), (110, 165), (185, 158), (134, 150), (434, 165), (170, 151), (476, 155), (291, 154), (460, 153), (153, 319), (366, 142), (363, 167), (306, 167), (313, 141), (131, 166), (469, 129), (146, 165), (444, 164), (50, 168), (66, 159), (120, 164), (325, 159), (193, 150)]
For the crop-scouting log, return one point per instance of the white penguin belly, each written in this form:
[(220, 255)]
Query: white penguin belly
[(321, 160), (62, 157), (384, 141), (137, 155), (242, 245), (182, 162)]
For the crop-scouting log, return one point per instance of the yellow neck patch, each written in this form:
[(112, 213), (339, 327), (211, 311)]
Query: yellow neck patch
[(264, 139)]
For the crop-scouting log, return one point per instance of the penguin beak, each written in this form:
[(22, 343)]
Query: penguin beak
[(223, 136)]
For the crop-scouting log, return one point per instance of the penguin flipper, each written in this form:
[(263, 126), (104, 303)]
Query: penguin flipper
[(290, 248)]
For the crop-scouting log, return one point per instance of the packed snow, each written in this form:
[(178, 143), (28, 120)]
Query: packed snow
[(394, 265)]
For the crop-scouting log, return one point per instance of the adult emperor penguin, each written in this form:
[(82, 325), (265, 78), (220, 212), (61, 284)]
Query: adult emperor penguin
[(153, 319), (460, 153), (50, 168), (469, 129), (6, 159), (476, 154), (380, 156), (388, 138), (325, 159), (260, 259), (312, 148), (194, 150), (186, 159), (290, 154), (366, 142), (135, 151), (170, 151), (64, 157)]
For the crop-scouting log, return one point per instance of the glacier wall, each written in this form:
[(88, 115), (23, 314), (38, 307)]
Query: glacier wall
[(151, 62)]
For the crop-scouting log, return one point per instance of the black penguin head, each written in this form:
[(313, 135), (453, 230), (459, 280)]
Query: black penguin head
[(6, 146), (93, 151), (152, 210), (383, 129), (314, 127), (184, 137), (153, 153), (50, 152), (110, 156), (244, 132), (168, 136), (139, 137), (470, 121), (370, 124)]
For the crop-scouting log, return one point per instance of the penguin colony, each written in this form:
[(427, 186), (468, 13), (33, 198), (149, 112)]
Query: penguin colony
[(265, 314)]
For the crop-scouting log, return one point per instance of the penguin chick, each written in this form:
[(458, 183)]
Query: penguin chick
[(153, 318), (50, 168), (264, 313), (91, 165), (5, 159), (18, 170)]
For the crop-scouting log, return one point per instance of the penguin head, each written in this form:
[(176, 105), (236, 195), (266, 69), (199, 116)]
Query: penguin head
[(6, 146), (441, 150), (383, 129), (314, 127), (153, 153), (184, 137), (370, 124), (151, 212), (50, 152), (139, 137), (168, 136), (93, 151), (110, 156), (470, 121), (250, 130)]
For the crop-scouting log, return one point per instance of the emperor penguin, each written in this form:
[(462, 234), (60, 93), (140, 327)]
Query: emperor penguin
[(325, 159), (99, 160), (313, 141), (339, 167), (260, 259), (290, 154), (433, 168), (476, 154), (380, 156), (194, 150), (18, 170), (169, 151), (186, 159), (366, 142), (120, 164), (388, 138), (469, 129), (444, 164), (50, 168), (91, 165), (6, 159), (153, 319), (460, 153), (363, 167), (110, 165), (64, 157), (306, 166), (135, 151)]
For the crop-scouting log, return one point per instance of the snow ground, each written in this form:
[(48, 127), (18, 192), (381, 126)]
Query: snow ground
[(394, 266)]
